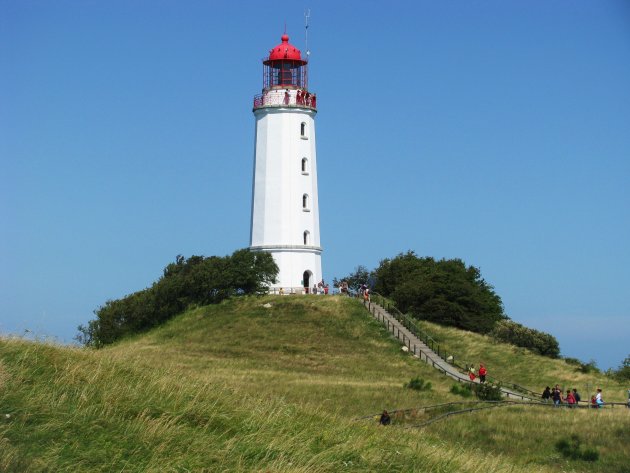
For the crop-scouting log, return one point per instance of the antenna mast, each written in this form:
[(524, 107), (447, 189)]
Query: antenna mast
[(307, 15)]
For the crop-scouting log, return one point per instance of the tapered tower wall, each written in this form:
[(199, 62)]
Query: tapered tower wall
[(285, 207)]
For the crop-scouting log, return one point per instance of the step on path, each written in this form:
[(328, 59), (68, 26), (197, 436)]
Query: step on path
[(420, 350)]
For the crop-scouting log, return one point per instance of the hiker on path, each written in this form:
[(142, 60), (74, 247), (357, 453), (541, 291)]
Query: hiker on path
[(471, 374), (570, 400), (556, 395), (546, 395), (577, 397), (482, 373)]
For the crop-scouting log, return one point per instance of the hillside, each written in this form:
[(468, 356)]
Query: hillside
[(242, 387)]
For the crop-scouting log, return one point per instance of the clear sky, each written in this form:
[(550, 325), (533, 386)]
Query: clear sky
[(492, 131)]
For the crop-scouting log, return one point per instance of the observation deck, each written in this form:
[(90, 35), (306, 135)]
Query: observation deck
[(285, 97)]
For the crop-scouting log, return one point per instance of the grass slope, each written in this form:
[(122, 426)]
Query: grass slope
[(241, 387), (519, 365)]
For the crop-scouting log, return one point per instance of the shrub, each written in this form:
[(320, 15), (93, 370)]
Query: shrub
[(463, 390), (571, 448), (488, 392), (622, 374), (590, 367), (196, 280), (539, 342), (418, 384)]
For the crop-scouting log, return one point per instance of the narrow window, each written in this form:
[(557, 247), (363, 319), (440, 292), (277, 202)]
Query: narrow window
[(305, 201), (303, 130), (306, 236), (304, 166)]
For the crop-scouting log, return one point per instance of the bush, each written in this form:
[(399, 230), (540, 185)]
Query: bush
[(417, 384), (463, 390), (622, 374), (539, 342), (196, 280), (487, 392), (571, 448), (590, 367)]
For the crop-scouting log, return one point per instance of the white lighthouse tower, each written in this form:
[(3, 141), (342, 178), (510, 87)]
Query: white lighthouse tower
[(285, 211)]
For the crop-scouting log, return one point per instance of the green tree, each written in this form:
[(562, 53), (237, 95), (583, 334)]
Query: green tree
[(444, 291), (196, 280)]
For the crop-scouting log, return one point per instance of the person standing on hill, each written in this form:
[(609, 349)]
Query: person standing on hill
[(471, 374), (482, 373), (570, 399), (577, 397), (546, 395)]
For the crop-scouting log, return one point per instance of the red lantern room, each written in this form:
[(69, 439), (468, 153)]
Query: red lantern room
[(285, 79), (285, 67)]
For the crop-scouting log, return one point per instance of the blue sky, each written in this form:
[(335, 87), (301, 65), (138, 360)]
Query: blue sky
[(496, 132)]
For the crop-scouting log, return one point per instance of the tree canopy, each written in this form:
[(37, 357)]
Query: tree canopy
[(444, 291), (197, 280)]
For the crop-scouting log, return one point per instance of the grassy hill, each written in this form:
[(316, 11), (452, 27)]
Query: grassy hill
[(243, 387)]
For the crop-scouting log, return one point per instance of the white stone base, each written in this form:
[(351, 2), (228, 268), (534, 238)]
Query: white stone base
[(294, 262)]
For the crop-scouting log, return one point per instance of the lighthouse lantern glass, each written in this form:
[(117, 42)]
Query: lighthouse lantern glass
[(285, 73)]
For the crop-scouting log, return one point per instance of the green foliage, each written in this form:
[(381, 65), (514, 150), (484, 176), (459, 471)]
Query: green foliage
[(487, 392), (571, 448), (539, 342), (582, 367), (418, 384), (196, 280), (444, 291), (463, 390), (623, 372)]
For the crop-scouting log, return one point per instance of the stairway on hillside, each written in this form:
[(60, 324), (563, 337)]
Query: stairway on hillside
[(419, 349)]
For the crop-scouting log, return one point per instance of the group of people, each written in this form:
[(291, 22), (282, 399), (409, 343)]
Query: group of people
[(305, 98), (301, 98), (320, 288), (482, 373), (572, 397)]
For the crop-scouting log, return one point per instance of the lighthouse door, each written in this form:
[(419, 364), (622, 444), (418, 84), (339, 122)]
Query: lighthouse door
[(306, 277)]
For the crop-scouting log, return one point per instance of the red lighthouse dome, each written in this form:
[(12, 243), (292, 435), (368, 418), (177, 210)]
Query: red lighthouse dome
[(285, 50)]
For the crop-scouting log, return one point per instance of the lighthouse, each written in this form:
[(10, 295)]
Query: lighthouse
[(285, 210)]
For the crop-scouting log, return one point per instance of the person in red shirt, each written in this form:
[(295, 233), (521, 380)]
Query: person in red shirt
[(482, 373)]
